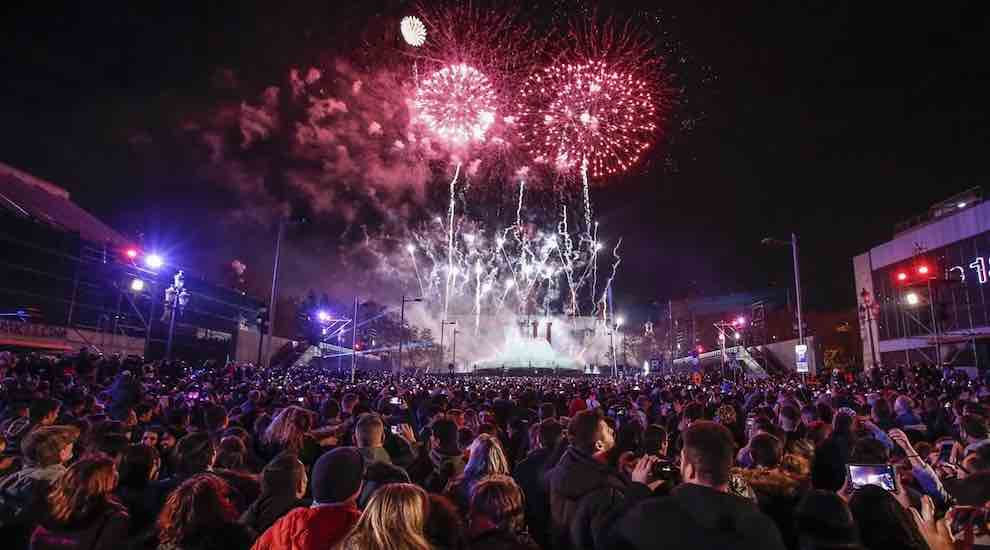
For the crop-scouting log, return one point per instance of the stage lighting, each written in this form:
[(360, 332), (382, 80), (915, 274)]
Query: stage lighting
[(902, 276), (737, 336), (410, 248), (154, 261), (923, 270), (740, 321), (912, 299), (323, 316), (137, 285), (131, 253)]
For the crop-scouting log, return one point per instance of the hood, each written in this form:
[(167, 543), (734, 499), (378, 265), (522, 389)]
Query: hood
[(712, 509), (578, 474), (49, 473), (770, 482), (375, 454)]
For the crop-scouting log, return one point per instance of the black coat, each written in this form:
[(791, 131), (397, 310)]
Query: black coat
[(694, 517), (583, 492), (529, 476)]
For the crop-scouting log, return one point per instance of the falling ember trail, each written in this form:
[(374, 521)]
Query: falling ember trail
[(450, 240), (585, 188)]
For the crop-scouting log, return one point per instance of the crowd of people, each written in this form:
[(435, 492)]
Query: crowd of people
[(109, 452)]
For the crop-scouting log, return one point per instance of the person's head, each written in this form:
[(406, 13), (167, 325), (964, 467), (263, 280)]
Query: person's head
[(809, 414), (199, 505), (882, 521), (330, 409), (486, 458), (349, 401), (903, 405), (789, 418), (285, 473), (457, 416), (822, 521), (497, 503), (288, 429), (548, 433), (369, 431), (194, 453), (111, 444), (139, 465), (726, 415), (707, 455), (167, 440), (49, 445), (590, 433), (693, 412), (973, 428), (842, 424), (394, 519), (444, 527), (214, 418), (85, 487), (881, 411), (232, 453), (761, 424), (149, 437), (766, 450), (337, 476), (654, 440), (444, 436), (867, 450), (44, 411)]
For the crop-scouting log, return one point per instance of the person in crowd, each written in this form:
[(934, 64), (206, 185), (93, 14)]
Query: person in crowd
[(904, 409), (395, 519), (828, 469), (700, 512), (884, 522), (336, 486), (283, 486), (138, 468), (444, 527), (973, 432), (486, 459), (529, 473), (194, 454), (232, 455), (83, 512), (580, 480), (777, 490), (23, 494), (199, 515), (822, 521), (443, 463), (497, 519), (289, 431)]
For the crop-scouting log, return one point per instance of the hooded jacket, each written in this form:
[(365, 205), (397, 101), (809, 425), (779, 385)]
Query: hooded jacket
[(315, 528), (777, 494), (582, 491), (694, 517)]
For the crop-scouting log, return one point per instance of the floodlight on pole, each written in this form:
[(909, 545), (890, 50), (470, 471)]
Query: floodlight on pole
[(323, 316), (154, 261), (131, 253), (137, 285), (912, 299)]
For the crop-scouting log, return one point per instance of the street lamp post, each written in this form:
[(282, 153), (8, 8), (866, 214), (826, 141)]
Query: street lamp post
[(453, 359), (443, 331), (797, 278), (402, 330), (176, 296)]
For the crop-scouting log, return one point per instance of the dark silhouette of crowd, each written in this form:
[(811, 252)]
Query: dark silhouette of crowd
[(109, 452)]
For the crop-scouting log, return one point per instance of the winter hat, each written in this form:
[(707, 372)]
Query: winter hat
[(337, 475)]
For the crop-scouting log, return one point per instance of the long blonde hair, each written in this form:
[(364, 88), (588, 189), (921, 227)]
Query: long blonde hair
[(486, 459), (288, 429), (393, 520)]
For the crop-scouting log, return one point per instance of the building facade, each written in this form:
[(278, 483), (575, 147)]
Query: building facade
[(924, 296)]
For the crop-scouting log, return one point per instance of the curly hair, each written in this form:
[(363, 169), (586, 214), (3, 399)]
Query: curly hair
[(201, 503), (85, 487)]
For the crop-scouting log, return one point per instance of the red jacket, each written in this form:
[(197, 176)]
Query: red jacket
[(577, 405), (319, 528)]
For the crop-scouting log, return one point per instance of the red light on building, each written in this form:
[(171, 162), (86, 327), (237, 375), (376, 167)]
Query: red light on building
[(701, 349), (902, 276), (923, 269)]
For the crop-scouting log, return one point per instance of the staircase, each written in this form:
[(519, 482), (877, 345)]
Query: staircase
[(752, 368)]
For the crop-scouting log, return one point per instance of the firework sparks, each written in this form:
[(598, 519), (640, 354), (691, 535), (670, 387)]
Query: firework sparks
[(457, 103), (413, 31), (588, 112)]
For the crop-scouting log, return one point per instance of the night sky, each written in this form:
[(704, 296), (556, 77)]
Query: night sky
[(832, 119)]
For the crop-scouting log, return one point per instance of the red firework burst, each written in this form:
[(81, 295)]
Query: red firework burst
[(457, 103), (590, 111)]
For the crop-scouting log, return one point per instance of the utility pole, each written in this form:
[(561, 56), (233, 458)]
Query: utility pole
[(354, 340), (271, 303)]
